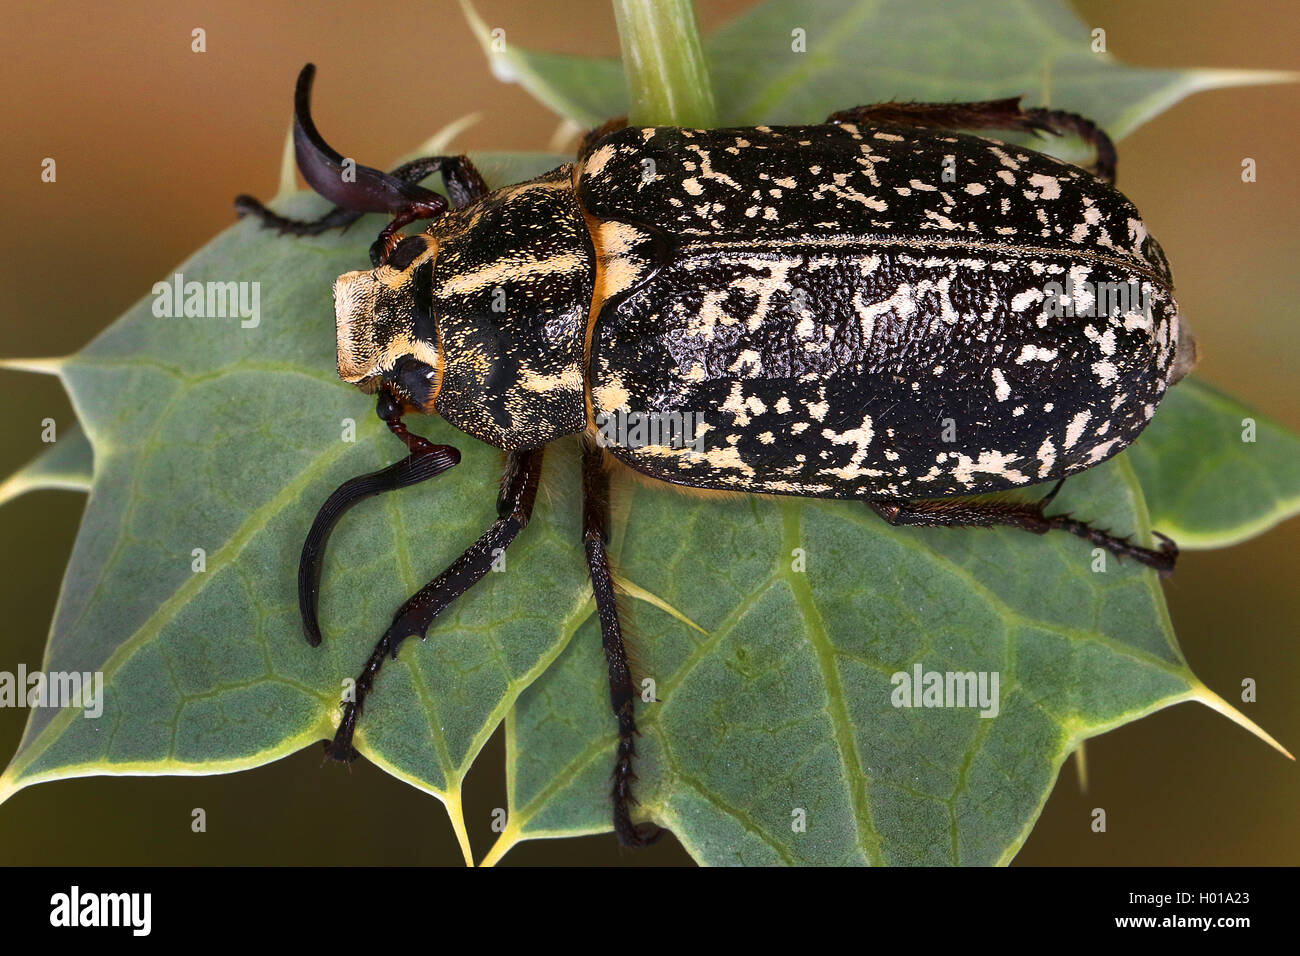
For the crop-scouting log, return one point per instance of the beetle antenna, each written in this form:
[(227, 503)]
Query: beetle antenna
[(363, 188), (425, 461)]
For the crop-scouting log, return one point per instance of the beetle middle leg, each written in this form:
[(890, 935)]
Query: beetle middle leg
[(1004, 114), (622, 692), (1028, 515), (514, 509)]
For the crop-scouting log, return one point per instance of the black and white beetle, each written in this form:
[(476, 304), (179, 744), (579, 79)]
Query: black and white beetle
[(861, 309)]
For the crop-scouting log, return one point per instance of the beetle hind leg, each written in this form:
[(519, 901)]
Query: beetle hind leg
[(1027, 515), (622, 692)]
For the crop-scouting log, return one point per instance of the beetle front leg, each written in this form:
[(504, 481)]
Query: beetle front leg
[(514, 509), (463, 182), (622, 692), (1004, 114), (1027, 515)]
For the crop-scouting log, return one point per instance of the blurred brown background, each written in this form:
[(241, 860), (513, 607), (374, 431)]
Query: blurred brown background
[(152, 141)]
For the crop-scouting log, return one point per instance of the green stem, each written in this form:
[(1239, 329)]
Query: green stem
[(663, 60)]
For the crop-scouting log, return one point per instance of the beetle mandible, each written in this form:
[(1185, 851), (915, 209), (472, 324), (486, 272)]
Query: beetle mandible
[(877, 307)]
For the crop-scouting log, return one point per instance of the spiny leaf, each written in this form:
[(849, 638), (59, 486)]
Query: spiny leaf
[(784, 712), (209, 435), (1216, 472), (775, 706), (787, 61), (65, 464)]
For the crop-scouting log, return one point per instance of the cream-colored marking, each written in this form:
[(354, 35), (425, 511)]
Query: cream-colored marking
[(848, 192), (735, 404), (510, 269), (1003, 158), (1032, 353), (612, 396), (1105, 372), (1002, 390), (568, 380), (728, 457), (943, 222), (595, 164), (902, 303), (990, 463), (861, 437), (1099, 452), (1049, 186), (1046, 457), (1076, 427)]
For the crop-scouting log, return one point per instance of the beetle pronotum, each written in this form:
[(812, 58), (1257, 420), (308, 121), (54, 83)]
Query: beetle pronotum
[(832, 300)]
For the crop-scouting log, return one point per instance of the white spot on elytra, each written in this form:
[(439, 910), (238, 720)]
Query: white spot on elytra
[(1002, 390), (1076, 427), (1032, 353)]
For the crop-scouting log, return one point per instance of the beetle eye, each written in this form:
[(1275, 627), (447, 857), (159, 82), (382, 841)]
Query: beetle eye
[(414, 380), (406, 252)]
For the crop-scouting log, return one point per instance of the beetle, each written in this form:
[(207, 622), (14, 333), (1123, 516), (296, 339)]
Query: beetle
[(878, 308)]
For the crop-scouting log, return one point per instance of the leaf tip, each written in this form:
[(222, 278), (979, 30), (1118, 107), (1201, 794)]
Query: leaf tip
[(288, 184), (41, 366), (8, 787), (441, 140), (1216, 703)]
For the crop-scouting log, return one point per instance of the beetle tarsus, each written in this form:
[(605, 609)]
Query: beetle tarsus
[(622, 692), (336, 218)]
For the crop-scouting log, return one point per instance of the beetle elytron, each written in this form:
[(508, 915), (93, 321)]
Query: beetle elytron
[(858, 309)]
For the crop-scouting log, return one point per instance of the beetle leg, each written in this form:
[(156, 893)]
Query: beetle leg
[(1004, 114), (460, 178), (514, 509), (1062, 122), (622, 693), (1028, 515)]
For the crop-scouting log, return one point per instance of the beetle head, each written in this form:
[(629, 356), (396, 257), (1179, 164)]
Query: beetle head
[(385, 332)]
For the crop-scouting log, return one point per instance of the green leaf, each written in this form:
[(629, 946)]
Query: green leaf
[(215, 443), (784, 707), (209, 435), (1216, 472), (863, 51), (860, 51), (65, 464), (578, 88)]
